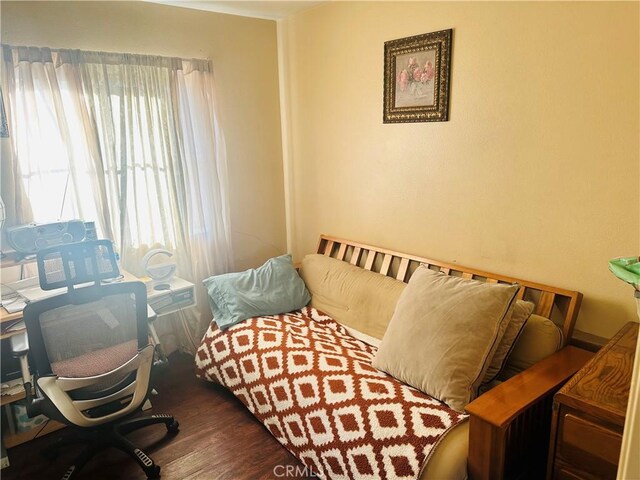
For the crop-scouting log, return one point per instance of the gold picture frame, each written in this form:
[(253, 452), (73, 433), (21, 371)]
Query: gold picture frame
[(417, 73)]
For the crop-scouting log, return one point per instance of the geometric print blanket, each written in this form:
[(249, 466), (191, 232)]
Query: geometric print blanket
[(313, 387)]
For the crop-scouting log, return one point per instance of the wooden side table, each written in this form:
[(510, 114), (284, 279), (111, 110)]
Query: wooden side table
[(589, 413)]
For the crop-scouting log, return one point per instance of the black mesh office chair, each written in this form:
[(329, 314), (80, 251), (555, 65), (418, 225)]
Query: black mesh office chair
[(91, 352)]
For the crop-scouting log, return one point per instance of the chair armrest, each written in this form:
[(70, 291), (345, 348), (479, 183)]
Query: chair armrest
[(20, 349), (151, 314), (493, 413), (19, 344)]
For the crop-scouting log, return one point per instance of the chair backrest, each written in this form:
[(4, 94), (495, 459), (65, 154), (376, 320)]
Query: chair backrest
[(87, 333), (76, 263), (89, 344)]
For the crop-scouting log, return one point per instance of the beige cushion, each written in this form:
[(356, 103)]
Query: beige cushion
[(448, 457), (353, 296), (540, 338), (519, 315), (444, 333)]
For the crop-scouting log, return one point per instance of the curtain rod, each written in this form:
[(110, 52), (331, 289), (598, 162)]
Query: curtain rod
[(60, 56)]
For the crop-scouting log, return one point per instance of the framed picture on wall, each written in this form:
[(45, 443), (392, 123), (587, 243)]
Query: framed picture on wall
[(416, 78)]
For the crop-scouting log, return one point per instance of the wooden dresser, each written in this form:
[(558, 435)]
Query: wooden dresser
[(589, 413)]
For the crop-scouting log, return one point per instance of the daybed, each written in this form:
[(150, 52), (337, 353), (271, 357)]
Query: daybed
[(307, 376)]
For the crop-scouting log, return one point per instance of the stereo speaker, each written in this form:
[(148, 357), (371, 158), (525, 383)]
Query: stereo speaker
[(28, 239)]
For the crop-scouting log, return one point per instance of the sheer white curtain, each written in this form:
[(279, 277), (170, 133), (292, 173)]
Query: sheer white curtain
[(57, 159), (207, 209), (138, 148)]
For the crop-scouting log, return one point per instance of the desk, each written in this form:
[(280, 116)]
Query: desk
[(11, 318), (179, 294)]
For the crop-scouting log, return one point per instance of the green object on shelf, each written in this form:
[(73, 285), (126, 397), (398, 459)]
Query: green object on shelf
[(22, 421), (627, 269)]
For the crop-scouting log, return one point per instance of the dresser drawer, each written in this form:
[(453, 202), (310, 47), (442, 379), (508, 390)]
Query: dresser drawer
[(565, 474), (592, 450), (592, 439)]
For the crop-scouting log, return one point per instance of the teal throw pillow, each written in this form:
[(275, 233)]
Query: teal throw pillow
[(273, 288)]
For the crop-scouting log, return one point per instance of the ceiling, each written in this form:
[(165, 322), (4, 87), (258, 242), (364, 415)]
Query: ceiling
[(268, 9)]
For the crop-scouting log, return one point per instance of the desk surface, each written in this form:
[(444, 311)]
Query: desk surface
[(6, 317)]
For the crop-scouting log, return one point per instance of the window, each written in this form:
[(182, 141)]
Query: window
[(131, 142)]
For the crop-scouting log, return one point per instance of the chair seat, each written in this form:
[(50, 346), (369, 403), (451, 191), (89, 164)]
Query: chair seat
[(97, 362)]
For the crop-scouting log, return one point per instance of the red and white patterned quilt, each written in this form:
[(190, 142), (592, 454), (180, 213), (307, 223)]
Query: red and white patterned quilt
[(313, 387)]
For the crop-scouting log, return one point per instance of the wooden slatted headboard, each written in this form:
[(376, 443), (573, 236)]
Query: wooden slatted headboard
[(558, 304)]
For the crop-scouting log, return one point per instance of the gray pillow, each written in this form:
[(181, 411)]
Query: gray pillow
[(540, 338), (271, 289), (519, 315), (444, 333)]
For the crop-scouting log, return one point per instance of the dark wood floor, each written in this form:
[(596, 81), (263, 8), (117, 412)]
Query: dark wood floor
[(219, 439)]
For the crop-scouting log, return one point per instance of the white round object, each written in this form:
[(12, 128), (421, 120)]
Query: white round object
[(160, 272)]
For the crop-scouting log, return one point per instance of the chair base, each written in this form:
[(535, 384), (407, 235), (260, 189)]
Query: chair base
[(113, 436)]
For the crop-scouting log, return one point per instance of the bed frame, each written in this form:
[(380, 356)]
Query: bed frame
[(510, 424)]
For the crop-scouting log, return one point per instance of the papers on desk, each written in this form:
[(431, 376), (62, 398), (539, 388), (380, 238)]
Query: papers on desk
[(28, 290), (25, 291), (33, 294), (11, 299), (12, 326), (16, 304), (12, 387)]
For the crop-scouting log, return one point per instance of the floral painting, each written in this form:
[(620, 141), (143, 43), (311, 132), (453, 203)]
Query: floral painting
[(416, 82), (415, 74)]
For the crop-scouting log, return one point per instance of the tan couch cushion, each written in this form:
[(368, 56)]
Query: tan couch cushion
[(353, 296), (519, 315), (443, 334), (540, 338), (448, 458)]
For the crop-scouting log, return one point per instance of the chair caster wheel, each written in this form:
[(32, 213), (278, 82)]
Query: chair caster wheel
[(173, 427), (50, 455), (154, 472)]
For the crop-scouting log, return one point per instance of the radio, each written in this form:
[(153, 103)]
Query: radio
[(28, 239)]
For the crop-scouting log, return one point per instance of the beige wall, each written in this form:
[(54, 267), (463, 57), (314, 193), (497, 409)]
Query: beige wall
[(535, 175), (244, 55)]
